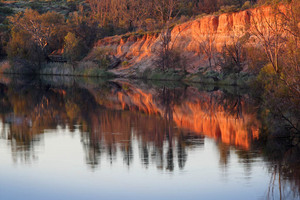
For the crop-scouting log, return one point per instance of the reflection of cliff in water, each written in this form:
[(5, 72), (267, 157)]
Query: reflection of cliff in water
[(156, 114), (30, 110), (225, 118), (164, 122)]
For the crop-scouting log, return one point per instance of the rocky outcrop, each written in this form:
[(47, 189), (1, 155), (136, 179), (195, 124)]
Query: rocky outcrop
[(139, 50)]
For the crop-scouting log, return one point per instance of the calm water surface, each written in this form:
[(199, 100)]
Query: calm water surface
[(66, 138)]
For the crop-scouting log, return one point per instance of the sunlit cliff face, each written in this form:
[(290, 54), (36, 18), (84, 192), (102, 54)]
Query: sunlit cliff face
[(225, 28)]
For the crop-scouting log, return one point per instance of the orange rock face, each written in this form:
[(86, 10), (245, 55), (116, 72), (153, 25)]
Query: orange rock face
[(186, 37)]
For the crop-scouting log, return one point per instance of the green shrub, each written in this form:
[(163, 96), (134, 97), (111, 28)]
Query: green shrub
[(35, 6), (4, 28), (228, 9), (90, 68), (100, 56), (74, 48), (125, 63), (6, 11), (267, 76), (146, 73), (246, 5), (211, 74), (98, 73), (158, 74)]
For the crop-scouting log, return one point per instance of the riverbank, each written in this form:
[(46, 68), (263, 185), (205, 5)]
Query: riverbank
[(91, 69), (223, 49)]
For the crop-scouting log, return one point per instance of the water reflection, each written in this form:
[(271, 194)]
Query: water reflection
[(164, 122), (113, 115)]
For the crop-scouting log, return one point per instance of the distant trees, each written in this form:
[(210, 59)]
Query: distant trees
[(126, 14), (209, 6), (131, 15), (166, 9), (84, 27)]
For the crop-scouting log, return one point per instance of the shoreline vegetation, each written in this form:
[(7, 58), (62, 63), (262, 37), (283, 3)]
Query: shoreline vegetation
[(66, 69), (118, 38)]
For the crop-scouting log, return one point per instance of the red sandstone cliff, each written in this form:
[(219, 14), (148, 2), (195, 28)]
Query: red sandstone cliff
[(139, 51)]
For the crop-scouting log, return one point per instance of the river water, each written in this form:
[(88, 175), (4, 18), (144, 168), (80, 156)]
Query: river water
[(75, 138)]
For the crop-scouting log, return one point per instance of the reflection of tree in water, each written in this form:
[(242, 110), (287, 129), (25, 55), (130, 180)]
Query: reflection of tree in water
[(145, 157), (181, 152), (224, 150), (124, 129), (127, 153), (107, 132), (48, 107), (168, 98), (28, 113), (232, 103), (283, 164)]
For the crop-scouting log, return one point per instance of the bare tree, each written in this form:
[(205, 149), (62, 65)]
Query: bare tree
[(166, 9), (207, 47), (165, 49), (233, 56), (270, 32), (168, 55)]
